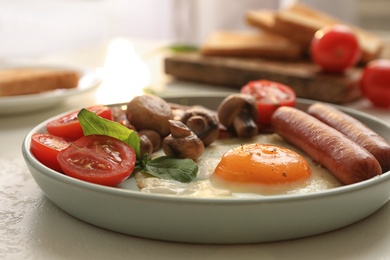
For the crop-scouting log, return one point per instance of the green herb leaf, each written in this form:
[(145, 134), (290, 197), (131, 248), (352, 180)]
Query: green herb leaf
[(179, 48), (94, 124), (169, 168)]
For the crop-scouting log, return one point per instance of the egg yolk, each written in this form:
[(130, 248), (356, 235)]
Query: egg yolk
[(262, 164)]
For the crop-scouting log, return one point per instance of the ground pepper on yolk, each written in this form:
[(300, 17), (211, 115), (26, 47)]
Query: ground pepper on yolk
[(262, 164)]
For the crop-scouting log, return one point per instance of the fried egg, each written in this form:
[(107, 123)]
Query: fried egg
[(261, 166)]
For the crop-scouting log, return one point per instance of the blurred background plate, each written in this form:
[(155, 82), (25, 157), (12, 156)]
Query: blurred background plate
[(89, 80)]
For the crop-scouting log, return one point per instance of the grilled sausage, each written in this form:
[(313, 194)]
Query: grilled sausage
[(355, 130), (348, 161)]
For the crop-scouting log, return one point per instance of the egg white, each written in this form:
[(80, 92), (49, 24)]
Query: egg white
[(208, 186)]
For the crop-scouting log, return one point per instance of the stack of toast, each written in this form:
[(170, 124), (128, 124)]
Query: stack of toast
[(299, 23), (24, 81), (276, 49)]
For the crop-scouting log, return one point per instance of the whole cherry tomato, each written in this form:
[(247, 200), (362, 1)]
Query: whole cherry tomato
[(375, 82), (46, 147), (269, 96), (335, 48), (68, 126), (98, 159)]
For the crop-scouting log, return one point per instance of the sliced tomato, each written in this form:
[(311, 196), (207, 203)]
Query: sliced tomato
[(98, 159), (46, 147), (269, 96), (68, 126)]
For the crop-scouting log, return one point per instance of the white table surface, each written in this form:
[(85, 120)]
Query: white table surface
[(31, 227)]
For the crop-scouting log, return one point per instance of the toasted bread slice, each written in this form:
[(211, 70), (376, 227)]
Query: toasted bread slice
[(263, 19), (22, 81), (299, 23), (266, 20), (250, 44)]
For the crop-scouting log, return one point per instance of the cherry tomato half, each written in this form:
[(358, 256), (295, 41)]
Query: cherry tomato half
[(46, 147), (269, 96), (335, 48), (375, 82), (98, 159), (68, 126)]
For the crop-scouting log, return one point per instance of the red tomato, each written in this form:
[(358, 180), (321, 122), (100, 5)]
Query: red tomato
[(46, 147), (98, 159), (68, 126), (375, 82), (335, 48), (269, 96)]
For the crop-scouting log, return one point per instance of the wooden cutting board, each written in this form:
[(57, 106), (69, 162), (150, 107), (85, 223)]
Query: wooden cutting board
[(307, 80)]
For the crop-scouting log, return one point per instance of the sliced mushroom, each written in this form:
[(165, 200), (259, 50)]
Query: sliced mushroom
[(239, 112), (149, 112), (182, 142), (203, 123), (153, 137)]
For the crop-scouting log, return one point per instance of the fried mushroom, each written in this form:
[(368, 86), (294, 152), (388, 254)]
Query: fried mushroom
[(149, 112), (154, 138), (182, 142), (203, 123), (146, 145), (238, 112)]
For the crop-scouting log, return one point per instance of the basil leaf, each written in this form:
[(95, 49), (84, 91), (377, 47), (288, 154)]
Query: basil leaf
[(180, 48), (169, 168), (94, 124)]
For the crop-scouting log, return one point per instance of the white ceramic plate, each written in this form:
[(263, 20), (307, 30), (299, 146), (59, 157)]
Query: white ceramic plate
[(216, 220), (89, 80)]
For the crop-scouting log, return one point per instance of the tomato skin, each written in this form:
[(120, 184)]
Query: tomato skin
[(68, 126), (98, 159), (46, 147), (335, 48), (375, 82), (269, 96)]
